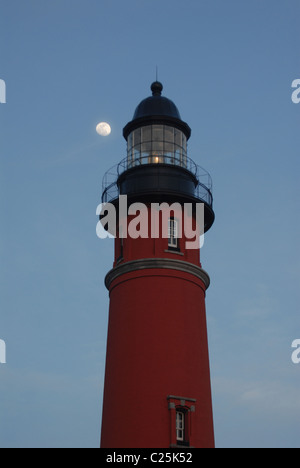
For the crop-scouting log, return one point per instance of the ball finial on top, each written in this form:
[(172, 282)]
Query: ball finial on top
[(156, 88)]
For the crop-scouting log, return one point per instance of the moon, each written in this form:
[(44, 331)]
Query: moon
[(103, 129)]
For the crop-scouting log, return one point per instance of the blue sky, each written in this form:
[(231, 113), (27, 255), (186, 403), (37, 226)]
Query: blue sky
[(69, 64)]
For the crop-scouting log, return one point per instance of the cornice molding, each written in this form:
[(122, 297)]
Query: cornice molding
[(157, 263)]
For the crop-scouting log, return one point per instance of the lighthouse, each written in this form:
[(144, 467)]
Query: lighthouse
[(157, 391)]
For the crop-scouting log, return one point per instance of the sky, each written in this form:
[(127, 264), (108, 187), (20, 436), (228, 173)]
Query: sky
[(69, 64)]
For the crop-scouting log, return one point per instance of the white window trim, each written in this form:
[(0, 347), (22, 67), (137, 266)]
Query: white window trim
[(180, 425), (173, 233)]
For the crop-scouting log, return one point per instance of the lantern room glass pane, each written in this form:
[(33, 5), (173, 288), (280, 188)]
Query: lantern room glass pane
[(146, 149), (136, 154), (137, 137), (157, 144), (168, 149), (157, 133), (129, 142), (146, 133), (184, 143), (169, 134), (178, 137), (178, 155), (157, 147)]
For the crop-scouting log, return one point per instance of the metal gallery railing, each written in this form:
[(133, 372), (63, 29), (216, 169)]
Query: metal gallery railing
[(203, 190)]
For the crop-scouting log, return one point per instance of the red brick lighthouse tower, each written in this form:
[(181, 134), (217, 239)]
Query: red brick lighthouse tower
[(157, 381)]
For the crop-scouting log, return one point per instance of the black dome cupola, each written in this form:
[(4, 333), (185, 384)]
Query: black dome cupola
[(156, 105), (157, 109)]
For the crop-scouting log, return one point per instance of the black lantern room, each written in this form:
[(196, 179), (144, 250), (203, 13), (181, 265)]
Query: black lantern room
[(157, 167)]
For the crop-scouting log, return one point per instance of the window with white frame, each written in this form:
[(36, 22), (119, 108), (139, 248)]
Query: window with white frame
[(180, 426), (173, 234), (181, 418)]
